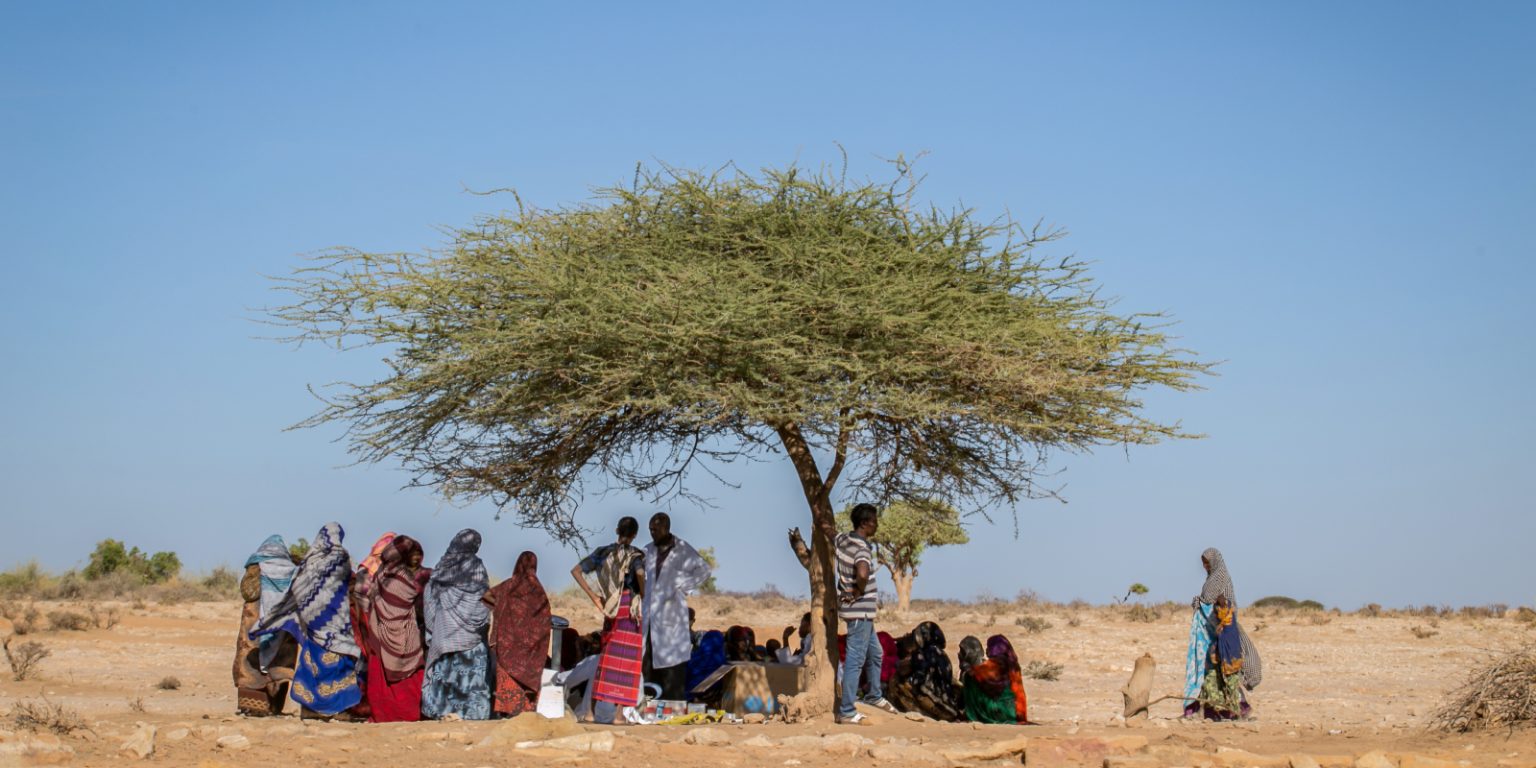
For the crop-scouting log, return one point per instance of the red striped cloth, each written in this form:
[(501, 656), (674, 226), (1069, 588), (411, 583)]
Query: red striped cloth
[(619, 669)]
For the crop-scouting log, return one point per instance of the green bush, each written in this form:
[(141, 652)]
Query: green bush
[(113, 557), (1287, 603)]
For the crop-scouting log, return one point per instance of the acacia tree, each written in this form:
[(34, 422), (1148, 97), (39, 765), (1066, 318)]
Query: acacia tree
[(906, 529), (689, 318)]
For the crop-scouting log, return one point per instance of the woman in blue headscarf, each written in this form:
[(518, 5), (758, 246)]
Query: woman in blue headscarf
[(263, 669), (315, 614)]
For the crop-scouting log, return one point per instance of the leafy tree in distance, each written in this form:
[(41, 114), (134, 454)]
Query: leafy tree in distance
[(709, 587), (298, 549), (907, 528), (112, 556), (689, 319)]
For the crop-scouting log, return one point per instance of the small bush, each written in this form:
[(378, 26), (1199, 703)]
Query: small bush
[(1142, 613), (69, 621), (1371, 610), (1075, 621), (1526, 615), (1042, 670), (44, 715), (1284, 603), (1422, 633), (23, 618), (136, 704), (104, 618), (1034, 625), (169, 683), (222, 579), (25, 658)]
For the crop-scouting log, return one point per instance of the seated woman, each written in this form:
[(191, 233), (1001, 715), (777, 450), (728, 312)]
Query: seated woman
[(708, 656), (924, 680), (741, 644), (993, 690)]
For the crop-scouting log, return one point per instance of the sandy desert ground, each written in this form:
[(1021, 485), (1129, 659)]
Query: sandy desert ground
[(1338, 690)]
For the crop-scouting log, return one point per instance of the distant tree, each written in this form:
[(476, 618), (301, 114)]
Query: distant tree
[(1135, 590), (112, 556), (907, 528), (691, 318), (298, 549), (709, 587)]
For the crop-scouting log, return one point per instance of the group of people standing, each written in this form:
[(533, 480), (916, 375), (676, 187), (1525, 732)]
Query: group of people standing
[(391, 640)]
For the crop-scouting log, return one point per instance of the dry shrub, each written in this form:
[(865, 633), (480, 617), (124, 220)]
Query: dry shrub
[(25, 658), (44, 715), (104, 618), (1033, 625), (1313, 618), (169, 683), (1526, 615), (1500, 695), (24, 619), (1422, 633), (1142, 613), (1491, 611), (1075, 621), (1042, 670), (69, 621), (1371, 610), (136, 704)]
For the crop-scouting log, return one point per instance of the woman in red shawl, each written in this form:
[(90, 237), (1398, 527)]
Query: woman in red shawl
[(361, 591), (397, 656), (519, 637)]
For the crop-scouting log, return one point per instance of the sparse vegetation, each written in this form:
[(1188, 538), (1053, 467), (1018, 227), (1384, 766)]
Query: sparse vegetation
[(1423, 633), (136, 704), (1371, 610), (169, 683), (69, 621), (44, 715), (104, 618), (23, 619), (1034, 625), (1142, 613), (1042, 670), (25, 658)]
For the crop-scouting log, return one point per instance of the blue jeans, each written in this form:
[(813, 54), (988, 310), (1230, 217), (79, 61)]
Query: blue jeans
[(862, 658)]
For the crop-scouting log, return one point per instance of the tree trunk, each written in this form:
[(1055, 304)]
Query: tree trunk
[(1138, 690), (903, 581), (820, 692)]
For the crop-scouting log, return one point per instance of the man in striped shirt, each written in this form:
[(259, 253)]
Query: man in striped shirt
[(857, 602)]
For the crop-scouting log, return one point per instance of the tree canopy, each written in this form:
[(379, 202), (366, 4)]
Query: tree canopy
[(694, 316)]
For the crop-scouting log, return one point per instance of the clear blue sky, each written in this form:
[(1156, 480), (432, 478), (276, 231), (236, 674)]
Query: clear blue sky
[(1337, 200)]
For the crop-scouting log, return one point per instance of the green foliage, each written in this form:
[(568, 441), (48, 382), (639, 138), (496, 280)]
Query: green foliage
[(1137, 589), (298, 549), (907, 528), (690, 317), (113, 557), (709, 587), (1289, 603)]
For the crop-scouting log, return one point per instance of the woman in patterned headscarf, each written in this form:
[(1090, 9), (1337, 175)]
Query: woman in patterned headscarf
[(314, 613), (263, 669), (925, 680), (458, 661), (520, 632), (396, 653), (1222, 660)]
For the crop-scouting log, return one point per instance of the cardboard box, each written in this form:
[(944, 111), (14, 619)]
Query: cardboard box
[(749, 687)]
